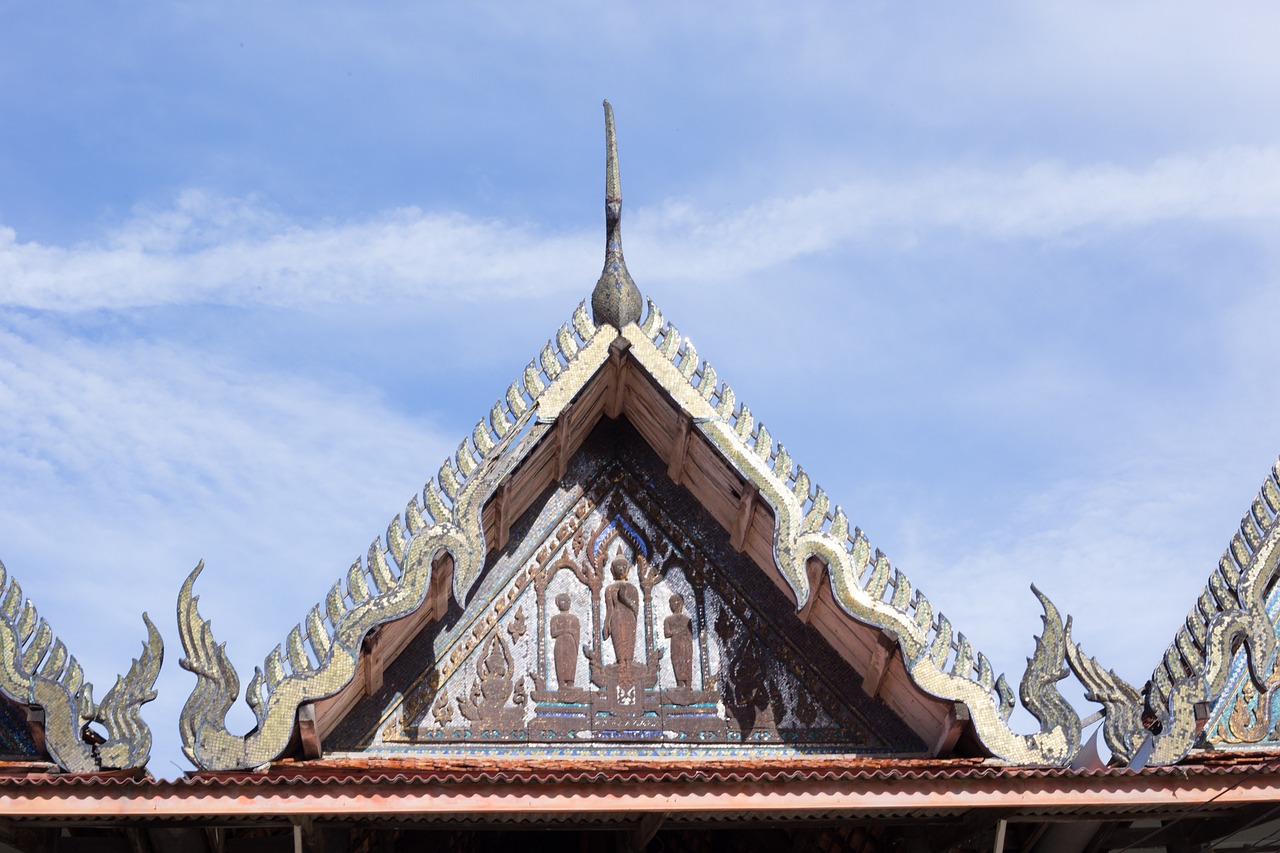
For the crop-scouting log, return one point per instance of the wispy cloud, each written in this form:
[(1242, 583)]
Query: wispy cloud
[(126, 461), (1045, 201), (207, 249), (1086, 543), (129, 436)]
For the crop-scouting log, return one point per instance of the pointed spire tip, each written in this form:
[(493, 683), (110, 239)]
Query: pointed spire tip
[(616, 300)]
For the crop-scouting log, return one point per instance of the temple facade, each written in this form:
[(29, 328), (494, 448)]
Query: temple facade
[(622, 617)]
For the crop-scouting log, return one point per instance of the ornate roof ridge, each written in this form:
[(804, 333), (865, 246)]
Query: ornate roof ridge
[(1159, 724), (36, 669), (1238, 582), (319, 655), (940, 659)]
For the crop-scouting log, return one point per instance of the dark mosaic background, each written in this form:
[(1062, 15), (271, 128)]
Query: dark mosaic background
[(15, 734), (745, 611)]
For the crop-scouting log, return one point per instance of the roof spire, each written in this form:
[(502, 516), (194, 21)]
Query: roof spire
[(616, 299)]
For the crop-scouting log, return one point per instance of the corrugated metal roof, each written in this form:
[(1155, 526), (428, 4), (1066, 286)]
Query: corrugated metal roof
[(579, 770)]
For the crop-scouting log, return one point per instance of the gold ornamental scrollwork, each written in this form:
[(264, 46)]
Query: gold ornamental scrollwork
[(36, 669), (319, 656), (1229, 618), (867, 588)]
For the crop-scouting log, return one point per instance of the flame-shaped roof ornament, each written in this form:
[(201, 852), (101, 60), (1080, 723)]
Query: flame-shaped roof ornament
[(616, 299)]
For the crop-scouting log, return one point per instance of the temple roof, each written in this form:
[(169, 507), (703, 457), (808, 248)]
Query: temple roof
[(622, 603), (710, 444), (451, 560)]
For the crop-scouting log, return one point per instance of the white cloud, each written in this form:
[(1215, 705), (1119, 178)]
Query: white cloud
[(126, 462), (235, 252), (239, 252), (129, 459), (1046, 201), (1125, 552)]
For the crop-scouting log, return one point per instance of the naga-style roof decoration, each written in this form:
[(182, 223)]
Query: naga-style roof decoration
[(320, 655), (804, 543), (38, 672), (1222, 658)]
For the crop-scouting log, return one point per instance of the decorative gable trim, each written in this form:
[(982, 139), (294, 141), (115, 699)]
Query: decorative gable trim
[(37, 671), (940, 660), (320, 656), (1226, 650)]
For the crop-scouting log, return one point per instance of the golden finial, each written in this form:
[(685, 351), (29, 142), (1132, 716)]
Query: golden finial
[(616, 299)]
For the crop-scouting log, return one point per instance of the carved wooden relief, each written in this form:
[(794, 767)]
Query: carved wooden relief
[(619, 629)]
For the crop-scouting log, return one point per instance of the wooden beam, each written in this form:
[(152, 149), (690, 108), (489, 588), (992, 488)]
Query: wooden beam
[(564, 428), (307, 731), (742, 520), (618, 376), (440, 592), (307, 837), (371, 662), (35, 722), (1002, 826), (878, 667), (816, 569), (680, 448), (501, 522), (957, 719), (216, 838)]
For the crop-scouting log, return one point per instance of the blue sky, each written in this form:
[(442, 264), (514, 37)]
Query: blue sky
[(1003, 280)]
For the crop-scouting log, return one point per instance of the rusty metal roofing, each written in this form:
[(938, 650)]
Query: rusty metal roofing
[(551, 791), (408, 771), (374, 769)]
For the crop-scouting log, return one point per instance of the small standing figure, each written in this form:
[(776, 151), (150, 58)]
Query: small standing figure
[(565, 630), (678, 628), (621, 612)]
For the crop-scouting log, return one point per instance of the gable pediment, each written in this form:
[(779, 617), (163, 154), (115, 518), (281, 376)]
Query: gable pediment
[(619, 617), (782, 531)]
